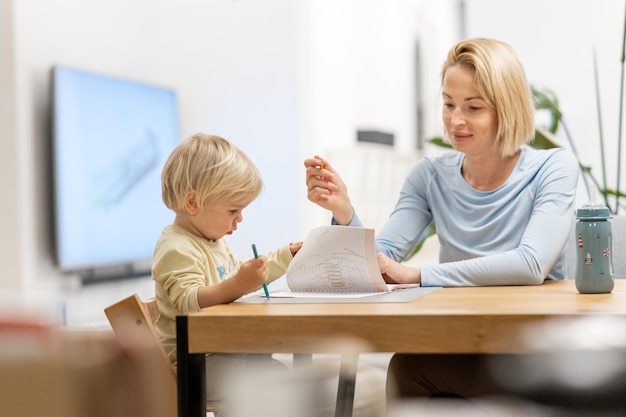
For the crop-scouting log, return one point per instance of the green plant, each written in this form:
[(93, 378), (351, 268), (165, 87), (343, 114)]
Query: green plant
[(545, 99)]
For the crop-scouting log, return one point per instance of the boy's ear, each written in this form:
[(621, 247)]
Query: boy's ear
[(191, 205)]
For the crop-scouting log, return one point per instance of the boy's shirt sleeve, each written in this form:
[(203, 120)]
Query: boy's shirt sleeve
[(279, 262)]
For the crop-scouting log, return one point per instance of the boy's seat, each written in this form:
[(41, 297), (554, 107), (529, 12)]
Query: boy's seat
[(132, 321)]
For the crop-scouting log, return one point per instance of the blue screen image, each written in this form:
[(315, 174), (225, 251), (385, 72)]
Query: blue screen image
[(111, 137)]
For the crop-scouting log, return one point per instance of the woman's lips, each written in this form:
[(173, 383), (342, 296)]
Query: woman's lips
[(459, 137)]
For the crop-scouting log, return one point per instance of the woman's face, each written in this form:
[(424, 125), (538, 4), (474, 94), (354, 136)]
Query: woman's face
[(470, 122)]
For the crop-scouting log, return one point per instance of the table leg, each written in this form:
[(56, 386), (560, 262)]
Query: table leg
[(191, 376), (347, 380)]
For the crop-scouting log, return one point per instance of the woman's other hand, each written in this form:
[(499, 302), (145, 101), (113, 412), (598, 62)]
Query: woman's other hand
[(397, 273)]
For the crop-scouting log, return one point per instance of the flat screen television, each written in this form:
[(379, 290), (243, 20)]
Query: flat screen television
[(110, 139)]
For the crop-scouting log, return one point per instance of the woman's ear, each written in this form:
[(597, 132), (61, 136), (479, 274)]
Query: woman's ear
[(191, 205)]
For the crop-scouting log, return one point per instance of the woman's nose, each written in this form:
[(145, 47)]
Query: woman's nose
[(457, 117)]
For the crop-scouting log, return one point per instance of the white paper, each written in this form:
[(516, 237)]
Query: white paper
[(343, 294), (314, 295), (336, 259)]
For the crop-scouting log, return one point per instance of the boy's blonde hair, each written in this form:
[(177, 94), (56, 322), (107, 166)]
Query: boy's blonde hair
[(213, 168), (501, 81)]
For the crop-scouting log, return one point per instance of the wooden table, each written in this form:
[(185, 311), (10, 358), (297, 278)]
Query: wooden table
[(449, 320)]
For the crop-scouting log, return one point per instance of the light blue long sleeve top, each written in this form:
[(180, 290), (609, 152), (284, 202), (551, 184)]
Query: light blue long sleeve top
[(513, 235)]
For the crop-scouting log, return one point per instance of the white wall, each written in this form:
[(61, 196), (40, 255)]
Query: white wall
[(363, 66)]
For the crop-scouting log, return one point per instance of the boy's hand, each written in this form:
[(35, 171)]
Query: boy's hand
[(253, 273), (295, 247), (251, 276)]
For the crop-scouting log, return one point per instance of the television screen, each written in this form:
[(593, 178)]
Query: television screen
[(111, 137)]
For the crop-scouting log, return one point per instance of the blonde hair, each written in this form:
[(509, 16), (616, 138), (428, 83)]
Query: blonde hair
[(213, 168), (501, 81)]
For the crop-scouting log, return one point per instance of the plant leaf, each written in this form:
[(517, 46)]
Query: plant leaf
[(543, 139), (438, 141), (545, 99)]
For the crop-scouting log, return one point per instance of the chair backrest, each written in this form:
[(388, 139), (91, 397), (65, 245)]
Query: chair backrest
[(132, 320), (152, 308)]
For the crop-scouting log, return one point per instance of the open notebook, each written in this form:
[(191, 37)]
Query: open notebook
[(336, 260)]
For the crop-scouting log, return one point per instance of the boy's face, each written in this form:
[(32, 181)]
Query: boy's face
[(217, 219)]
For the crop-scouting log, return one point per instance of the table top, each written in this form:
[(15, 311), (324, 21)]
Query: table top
[(448, 320)]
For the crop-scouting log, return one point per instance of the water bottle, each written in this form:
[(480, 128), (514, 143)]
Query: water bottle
[(594, 262)]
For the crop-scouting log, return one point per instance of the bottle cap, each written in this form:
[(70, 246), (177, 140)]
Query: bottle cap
[(593, 210), (593, 213)]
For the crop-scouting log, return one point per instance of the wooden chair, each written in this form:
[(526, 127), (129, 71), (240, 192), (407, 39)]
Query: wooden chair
[(132, 321)]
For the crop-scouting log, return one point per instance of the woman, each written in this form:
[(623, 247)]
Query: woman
[(503, 210)]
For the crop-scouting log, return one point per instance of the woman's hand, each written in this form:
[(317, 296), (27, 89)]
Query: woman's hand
[(397, 273), (326, 189)]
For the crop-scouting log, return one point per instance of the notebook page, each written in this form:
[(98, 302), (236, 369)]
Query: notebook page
[(336, 259)]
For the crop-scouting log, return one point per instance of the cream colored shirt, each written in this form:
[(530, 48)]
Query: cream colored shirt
[(184, 262)]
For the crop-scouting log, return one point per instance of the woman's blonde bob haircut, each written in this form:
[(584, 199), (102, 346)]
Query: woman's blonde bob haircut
[(501, 81), (212, 168)]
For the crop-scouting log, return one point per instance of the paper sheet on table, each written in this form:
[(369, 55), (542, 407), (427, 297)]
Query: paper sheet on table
[(336, 259), (343, 294)]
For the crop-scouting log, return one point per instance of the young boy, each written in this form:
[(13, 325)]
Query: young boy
[(207, 182)]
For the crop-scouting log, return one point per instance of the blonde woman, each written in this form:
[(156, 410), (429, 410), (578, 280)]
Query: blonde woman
[(503, 210)]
